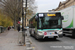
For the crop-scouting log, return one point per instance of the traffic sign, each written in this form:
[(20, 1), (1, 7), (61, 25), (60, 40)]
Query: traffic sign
[(18, 22)]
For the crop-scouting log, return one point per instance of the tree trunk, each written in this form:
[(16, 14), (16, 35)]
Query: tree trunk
[(14, 21)]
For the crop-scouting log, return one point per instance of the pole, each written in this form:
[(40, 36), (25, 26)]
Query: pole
[(22, 17), (25, 12), (23, 40), (23, 20)]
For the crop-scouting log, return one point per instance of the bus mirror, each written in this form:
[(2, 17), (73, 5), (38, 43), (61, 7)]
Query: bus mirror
[(62, 17)]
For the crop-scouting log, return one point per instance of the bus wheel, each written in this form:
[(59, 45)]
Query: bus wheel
[(55, 38), (36, 37), (64, 35)]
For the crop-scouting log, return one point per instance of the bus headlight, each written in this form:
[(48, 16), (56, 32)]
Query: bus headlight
[(40, 33), (60, 32)]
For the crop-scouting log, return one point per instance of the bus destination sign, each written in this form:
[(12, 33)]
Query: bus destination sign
[(51, 14)]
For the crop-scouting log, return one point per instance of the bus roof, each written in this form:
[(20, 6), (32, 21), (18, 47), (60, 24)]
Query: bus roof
[(51, 12), (45, 12)]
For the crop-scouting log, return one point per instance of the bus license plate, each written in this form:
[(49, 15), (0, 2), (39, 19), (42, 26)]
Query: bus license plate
[(50, 36)]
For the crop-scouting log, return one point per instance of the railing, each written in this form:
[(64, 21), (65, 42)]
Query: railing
[(2, 29)]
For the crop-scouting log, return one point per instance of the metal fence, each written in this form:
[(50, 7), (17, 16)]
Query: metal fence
[(2, 29)]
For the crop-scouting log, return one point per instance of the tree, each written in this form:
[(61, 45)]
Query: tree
[(31, 7), (13, 9), (5, 21)]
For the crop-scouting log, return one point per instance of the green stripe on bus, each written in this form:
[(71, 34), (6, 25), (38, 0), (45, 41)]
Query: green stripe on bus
[(48, 29)]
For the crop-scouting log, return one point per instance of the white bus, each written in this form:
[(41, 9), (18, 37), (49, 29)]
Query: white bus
[(46, 25)]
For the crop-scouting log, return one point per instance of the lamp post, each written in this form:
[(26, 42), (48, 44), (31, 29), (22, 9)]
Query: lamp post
[(25, 12), (23, 33)]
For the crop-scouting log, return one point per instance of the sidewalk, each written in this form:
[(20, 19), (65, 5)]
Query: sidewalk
[(9, 41)]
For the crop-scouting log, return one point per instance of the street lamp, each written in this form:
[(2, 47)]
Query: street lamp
[(25, 11), (23, 36), (23, 31)]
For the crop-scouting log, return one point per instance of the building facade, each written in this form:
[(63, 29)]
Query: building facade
[(64, 4), (27, 21)]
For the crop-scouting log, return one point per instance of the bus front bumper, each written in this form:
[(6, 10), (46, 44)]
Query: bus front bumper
[(42, 36)]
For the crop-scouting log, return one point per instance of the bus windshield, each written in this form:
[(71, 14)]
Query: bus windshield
[(50, 23)]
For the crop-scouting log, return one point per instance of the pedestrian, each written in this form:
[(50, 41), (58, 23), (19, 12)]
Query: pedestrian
[(19, 35), (8, 28), (18, 28)]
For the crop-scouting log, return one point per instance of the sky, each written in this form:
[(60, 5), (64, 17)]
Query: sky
[(45, 5)]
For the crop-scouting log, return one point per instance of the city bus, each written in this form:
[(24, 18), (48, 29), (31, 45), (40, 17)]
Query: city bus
[(46, 25)]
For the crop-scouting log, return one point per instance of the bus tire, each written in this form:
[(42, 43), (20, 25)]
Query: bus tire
[(64, 35), (36, 36), (55, 38)]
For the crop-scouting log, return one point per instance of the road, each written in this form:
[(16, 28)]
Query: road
[(65, 43)]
